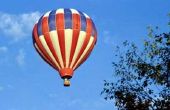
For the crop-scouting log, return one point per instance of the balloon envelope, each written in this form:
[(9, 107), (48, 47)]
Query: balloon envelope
[(64, 38)]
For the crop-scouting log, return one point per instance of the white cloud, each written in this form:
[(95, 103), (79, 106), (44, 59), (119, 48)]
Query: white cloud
[(109, 38), (10, 86), (1, 88), (6, 87), (18, 26), (3, 49), (75, 102), (106, 37), (53, 95), (20, 58), (3, 55)]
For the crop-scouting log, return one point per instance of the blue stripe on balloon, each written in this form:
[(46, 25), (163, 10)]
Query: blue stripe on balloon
[(68, 18), (93, 29), (33, 37), (40, 26), (83, 21), (52, 21)]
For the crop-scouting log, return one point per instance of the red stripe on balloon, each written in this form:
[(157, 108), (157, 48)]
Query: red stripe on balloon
[(76, 30), (61, 35), (43, 57), (40, 46), (95, 36), (88, 53), (86, 41), (45, 31)]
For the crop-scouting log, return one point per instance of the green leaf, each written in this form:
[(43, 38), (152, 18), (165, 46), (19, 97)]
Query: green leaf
[(146, 43), (168, 23)]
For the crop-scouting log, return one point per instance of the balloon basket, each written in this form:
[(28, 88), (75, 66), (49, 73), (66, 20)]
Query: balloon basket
[(66, 82)]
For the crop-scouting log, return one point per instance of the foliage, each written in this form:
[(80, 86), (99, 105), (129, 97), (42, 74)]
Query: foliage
[(143, 76)]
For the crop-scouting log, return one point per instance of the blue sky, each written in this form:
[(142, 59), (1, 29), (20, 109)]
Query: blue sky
[(28, 83)]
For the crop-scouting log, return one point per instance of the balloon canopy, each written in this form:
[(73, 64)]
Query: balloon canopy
[(64, 38)]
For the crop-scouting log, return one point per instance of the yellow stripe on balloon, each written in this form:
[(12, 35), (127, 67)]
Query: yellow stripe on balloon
[(68, 42), (55, 42), (85, 51), (42, 39), (80, 42)]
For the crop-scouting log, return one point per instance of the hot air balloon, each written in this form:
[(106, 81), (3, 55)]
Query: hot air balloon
[(64, 38)]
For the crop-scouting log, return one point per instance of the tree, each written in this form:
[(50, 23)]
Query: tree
[(143, 75)]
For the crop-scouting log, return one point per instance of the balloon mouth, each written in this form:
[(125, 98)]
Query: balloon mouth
[(66, 74)]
